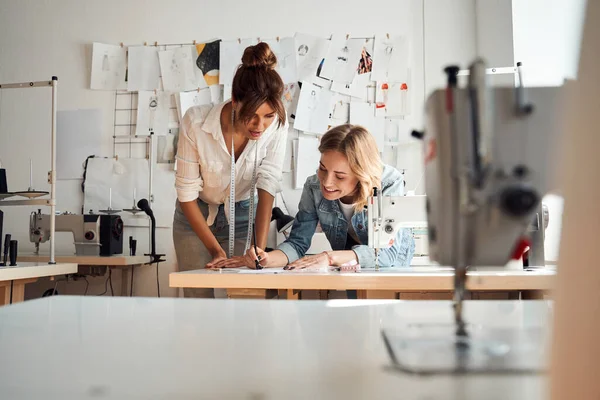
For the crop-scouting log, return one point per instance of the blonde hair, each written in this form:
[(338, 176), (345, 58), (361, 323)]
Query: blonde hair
[(360, 148)]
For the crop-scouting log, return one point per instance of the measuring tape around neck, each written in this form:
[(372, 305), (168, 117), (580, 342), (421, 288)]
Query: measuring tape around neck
[(232, 193)]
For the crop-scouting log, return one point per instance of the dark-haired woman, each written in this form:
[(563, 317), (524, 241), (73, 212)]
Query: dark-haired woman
[(254, 124)]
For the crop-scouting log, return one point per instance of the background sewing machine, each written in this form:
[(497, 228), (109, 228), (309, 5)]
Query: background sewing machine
[(410, 212), (93, 234)]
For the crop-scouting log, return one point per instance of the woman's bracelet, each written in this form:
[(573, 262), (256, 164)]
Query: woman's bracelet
[(328, 258)]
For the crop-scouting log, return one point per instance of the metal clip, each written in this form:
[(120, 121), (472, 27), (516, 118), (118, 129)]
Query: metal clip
[(239, 41), (347, 36)]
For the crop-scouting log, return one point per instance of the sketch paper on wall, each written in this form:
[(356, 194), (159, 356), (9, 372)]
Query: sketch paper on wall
[(178, 70), (314, 108), (166, 147), (143, 68), (208, 61), (391, 58), (194, 98), (392, 99), (306, 158), (341, 62), (310, 53), (291, 94), (109, 67), (285, 51), (153, 113), (230, 57), (364, 114)]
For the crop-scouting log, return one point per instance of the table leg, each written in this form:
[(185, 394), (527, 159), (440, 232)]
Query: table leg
[(4, 293), (17, 292), (126, 280)]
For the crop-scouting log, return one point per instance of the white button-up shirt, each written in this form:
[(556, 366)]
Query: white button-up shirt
[(204, 163)]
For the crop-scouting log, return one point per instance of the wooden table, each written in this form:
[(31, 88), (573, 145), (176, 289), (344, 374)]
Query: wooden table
[(385, 283), (126, 264), (171, 348), (14, 279)]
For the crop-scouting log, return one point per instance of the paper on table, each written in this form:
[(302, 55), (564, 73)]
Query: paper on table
[(310, 52), (341, 62), (178, 70), (153, 113), (364, 114), (195, 98), (306, 159), (230, 57), (109, 67), (391, 59), (264, 271), (285, 51), (81, 130), (144, 68), (393, 99), (208, 61), (314, 108)]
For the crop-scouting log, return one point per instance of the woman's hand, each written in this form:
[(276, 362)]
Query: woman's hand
[(247, 260), (252, 256), (218, 256), (233, 262), (317, 261)]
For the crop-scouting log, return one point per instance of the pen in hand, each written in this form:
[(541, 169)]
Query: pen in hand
[(257, 261)]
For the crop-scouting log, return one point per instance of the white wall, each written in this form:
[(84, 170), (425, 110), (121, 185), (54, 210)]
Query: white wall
[(39, 39), (547, 39)]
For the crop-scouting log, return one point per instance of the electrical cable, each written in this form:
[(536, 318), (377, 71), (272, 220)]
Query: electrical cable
[(157, 281), (112, 292)]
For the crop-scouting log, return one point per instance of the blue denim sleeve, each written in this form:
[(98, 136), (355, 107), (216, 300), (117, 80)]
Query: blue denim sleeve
[(305, 223), (399, 254)]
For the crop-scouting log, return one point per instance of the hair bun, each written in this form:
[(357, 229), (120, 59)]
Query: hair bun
[(259, 56)]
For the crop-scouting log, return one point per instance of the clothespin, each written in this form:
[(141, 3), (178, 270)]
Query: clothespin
[(155, 92), (155, 44), (347, 36), (258, 40), (278, 38), (194, 42), (145, 43), (239, 41), (121, 44), (116, 157), (388, 35), (198, 89)]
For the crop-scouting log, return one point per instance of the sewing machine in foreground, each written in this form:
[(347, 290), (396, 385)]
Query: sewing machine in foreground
[(489, 155), (93, 234)]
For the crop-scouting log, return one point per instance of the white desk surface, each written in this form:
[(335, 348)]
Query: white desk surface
[(115, 260), (67, 347), (26, 270), (420, 278)]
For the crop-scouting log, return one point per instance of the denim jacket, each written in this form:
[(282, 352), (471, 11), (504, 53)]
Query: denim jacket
[(314, 208)]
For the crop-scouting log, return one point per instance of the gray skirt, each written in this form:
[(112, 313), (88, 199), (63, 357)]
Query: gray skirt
[(191, 252)]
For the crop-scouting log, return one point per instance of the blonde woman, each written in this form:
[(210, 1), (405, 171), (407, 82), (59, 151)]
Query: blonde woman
[(349, 167)]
